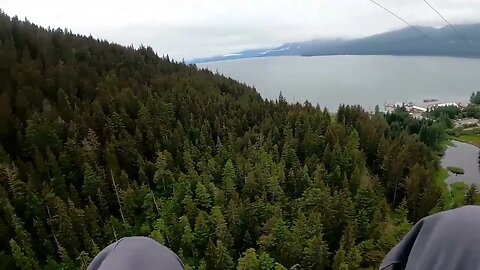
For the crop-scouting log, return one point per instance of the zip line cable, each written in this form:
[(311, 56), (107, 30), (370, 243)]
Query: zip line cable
[(400, 18), (461, 35)]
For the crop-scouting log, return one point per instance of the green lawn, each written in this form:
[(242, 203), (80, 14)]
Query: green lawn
[(440, 177), (458, 192), (473, 139), (455, 196)]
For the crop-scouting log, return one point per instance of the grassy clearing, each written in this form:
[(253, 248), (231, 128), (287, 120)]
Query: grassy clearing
[(458, 192), (471, 136), (456, 170), (440, 177), (473, 139), (454, 196)]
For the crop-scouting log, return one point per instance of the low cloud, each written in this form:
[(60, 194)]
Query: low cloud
[(193, 28)]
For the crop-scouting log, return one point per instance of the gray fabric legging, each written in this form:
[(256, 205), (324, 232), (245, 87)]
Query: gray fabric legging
[(448, 240), (136, 253)]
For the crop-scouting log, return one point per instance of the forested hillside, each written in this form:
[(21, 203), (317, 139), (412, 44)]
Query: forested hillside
[(100, 141)]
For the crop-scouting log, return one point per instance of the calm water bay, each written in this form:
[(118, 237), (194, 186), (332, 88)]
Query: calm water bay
[(464, 156), (365, 80)]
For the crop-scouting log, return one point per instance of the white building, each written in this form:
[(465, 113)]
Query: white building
[(447, 104), (417, 109)]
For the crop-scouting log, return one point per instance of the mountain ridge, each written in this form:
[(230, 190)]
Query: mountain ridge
[(441, 41)]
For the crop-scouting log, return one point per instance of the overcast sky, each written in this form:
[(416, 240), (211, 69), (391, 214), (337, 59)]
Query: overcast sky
[(195, 28)]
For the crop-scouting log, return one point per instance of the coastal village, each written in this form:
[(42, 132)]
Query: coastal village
[(419, 110)]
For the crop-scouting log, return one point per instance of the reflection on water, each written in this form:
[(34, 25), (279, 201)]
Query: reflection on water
[(464, 156)]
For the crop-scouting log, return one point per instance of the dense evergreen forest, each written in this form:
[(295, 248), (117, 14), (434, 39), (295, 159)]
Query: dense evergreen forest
[(101, 141)]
